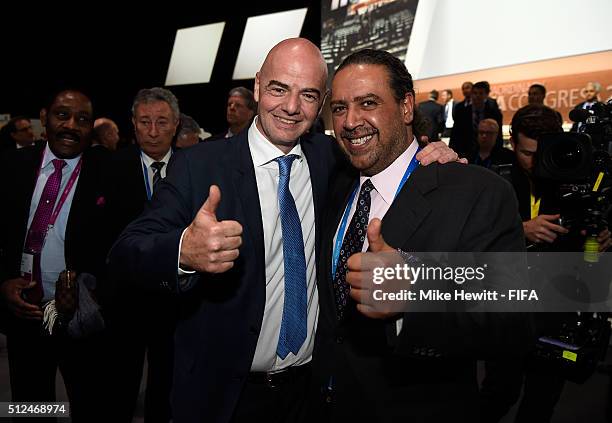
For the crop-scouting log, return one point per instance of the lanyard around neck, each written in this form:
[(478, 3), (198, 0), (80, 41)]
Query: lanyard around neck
[(340, 238), (73, 177)]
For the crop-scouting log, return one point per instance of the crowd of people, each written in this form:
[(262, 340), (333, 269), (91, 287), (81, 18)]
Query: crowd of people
[(235, 264)]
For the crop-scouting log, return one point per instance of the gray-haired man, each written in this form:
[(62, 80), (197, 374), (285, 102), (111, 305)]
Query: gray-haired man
[(141, 320)]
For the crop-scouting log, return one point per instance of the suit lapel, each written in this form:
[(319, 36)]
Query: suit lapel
[(245, 184), (318, 179), (409, 207)]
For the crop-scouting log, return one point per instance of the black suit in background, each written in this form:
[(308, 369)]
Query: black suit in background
[(463, 135), (427, 373), (139, 320), (579, 106), (433, 113), (33, 357), (498, 156), (221, 315)]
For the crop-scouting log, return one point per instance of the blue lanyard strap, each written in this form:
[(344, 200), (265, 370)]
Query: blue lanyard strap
[(338, 244), (145, 173)]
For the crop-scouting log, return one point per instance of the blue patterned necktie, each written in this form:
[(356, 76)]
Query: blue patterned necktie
[(353, 243), (293, 326)]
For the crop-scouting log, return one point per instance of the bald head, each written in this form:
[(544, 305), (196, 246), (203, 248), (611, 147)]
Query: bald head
[(106, 133), (299, 52), (290, 90)]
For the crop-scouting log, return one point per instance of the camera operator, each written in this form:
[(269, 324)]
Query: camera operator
[(543, 381), (540, 222)]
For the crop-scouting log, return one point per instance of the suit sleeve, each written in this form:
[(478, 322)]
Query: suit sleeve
[(147, 250)]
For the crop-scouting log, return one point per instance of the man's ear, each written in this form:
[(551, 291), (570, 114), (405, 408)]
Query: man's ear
[(407, 107), (256, 88)]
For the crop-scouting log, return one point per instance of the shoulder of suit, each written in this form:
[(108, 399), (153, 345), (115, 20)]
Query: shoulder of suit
[(470, 176), (212, 149), (19, 156)]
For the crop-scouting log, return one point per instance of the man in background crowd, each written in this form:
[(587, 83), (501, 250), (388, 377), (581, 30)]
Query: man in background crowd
[(433, 113), (488, 152), (467, 118), (591, 96), (188, 132), (141, 319), (537, 95), (106, 134), (241, 107), (55, 222), (16, 134), (449, 108)]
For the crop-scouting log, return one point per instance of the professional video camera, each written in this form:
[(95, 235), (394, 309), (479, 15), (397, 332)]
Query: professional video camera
[(573, 175), (574, 171)]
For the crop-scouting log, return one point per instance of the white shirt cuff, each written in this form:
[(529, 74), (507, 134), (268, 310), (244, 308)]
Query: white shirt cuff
[(182, 272)]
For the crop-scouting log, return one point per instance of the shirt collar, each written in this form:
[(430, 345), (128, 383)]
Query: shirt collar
[(148, 161), (262, 150), (49, 156), (387, 181)]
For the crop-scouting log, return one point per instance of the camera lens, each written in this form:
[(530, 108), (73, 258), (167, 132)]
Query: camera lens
[(566, 155)]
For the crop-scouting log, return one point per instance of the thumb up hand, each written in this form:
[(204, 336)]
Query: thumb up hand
[(375, 238), (210, 245), (360, 273)]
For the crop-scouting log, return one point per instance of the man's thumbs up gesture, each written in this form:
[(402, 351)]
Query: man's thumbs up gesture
[(209, 245), (360, 272)]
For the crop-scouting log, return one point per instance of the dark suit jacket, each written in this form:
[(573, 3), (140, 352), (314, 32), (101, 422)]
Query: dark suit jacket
[(427, 373), (433, 113), (578, 106), (126, 197), (463, 136), (126, 191), (221, 315), (85, 227), (498, 156)]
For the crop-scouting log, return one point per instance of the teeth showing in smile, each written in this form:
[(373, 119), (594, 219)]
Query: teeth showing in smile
[(287, 121), (361, 140)]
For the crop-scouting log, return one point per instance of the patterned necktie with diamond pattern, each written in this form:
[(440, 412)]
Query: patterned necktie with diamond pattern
[(39, 226), (353, 243)]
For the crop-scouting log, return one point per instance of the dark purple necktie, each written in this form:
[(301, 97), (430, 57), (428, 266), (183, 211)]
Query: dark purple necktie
[(40, 223)]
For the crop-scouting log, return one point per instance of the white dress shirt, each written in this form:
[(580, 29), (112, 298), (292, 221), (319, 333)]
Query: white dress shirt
[(148, 161), (52, 260), (448, 110), (263, 153)]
